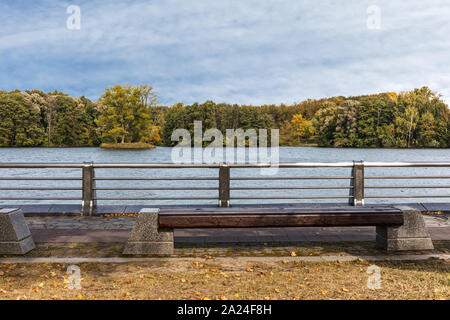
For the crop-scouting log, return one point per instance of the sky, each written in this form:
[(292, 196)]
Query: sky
[(236, 51)]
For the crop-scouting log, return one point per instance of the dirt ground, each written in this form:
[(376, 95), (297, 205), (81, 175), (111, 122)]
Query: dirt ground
[(226, 280)]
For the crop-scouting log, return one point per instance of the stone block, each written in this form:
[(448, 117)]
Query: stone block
[(146, 238), (15, 236), (413, 235)]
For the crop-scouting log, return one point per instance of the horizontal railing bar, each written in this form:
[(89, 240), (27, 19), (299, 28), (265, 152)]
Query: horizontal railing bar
[(406, 197), (48, 189), (152, 179), (163, 189), (407, 187), (290, 178), (39, 178), (186, 198), (231, 165), (406, 164), (262, 198), (289, 188), (40, 199), (408, 177)]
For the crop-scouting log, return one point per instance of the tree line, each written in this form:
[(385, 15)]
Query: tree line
[(124, 114)]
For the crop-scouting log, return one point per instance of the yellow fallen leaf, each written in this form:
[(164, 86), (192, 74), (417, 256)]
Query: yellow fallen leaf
[(324, 292), (293, 254), (345, 290), (183, 280), (277, 290), (206, 298), (236, 295), (80, 297), (249, 270), (223, 298)]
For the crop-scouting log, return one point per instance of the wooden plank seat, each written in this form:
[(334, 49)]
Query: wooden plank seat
[(279, 217)]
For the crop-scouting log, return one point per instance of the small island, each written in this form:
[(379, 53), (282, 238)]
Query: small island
[(130, 145)]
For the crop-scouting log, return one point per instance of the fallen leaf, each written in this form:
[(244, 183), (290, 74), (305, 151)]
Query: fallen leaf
[(293, 254)]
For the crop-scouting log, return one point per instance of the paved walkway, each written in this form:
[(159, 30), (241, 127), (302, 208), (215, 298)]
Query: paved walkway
[(103, 237), (75, 209)]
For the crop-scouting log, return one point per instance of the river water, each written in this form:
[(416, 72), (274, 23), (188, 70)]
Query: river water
[(286, 154)]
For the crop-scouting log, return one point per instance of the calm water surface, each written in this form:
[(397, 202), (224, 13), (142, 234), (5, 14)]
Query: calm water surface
[(163, 155)]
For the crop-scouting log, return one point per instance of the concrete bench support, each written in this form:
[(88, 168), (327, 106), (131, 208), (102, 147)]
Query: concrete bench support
[(15, 236), (146, 238), (413, 235)]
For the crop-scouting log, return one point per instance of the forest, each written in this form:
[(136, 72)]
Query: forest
[(125, 114)]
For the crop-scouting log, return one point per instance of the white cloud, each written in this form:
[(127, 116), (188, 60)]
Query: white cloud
[(235, 51)]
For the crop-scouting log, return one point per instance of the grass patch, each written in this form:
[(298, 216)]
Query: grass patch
[(134, 145), (195, 280)]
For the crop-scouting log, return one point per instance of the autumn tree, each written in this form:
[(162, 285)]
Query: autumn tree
[(125, 113), (301, 127)]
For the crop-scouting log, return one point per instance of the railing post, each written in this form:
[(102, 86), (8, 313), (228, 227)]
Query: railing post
[(88, 193), (224, 186), (357, 182)]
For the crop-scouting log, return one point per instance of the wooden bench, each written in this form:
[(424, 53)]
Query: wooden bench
[(398, 228)]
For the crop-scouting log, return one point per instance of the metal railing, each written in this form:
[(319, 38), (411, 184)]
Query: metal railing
[(356, 188)]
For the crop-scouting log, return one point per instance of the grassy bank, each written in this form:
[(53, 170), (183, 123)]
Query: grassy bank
[(134, 145), (196, 280)]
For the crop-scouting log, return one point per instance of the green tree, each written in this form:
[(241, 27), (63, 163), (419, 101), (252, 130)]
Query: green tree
[(126, 114), (20, 124)]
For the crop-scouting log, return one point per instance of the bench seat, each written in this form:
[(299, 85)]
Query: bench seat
[(279, 217)]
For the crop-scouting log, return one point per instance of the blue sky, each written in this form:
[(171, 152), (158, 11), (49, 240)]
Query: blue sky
[(246, 51)]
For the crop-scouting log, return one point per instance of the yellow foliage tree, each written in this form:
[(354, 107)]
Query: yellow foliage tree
[(302, 128)]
